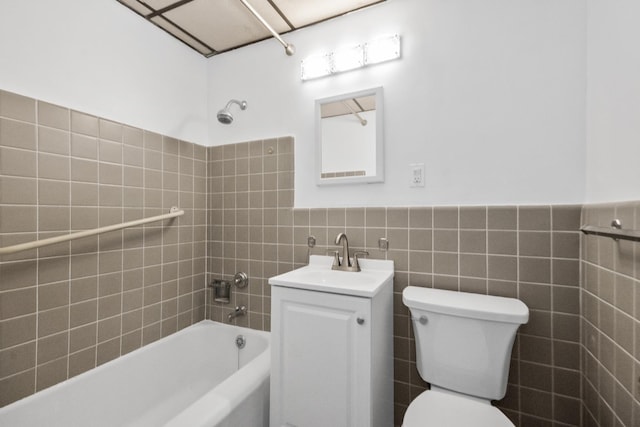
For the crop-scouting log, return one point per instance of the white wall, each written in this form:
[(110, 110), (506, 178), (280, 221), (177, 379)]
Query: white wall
[(489, 95), (99, 57), (613, 101)]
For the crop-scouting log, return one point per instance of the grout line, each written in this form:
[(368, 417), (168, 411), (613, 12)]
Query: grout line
[(37, 252), (551, 301)]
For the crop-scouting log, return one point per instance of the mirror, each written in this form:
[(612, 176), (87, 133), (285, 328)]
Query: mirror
[(349, 140)]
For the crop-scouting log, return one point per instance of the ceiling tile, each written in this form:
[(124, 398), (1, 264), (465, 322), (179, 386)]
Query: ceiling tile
[(177, 32), (225, 24), (159, 4), (137, 6), (214, 26), (305, 12)]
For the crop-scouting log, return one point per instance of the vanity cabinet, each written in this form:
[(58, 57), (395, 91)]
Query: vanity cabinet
[(331, 358)]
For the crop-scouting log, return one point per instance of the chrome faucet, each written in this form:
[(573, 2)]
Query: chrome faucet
[(345, 264), (239, 311)]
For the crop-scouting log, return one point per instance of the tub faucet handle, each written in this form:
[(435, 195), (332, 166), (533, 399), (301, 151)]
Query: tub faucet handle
[(239, 311)]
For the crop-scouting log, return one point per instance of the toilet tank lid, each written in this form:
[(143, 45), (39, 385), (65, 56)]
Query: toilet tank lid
[(464, 304)]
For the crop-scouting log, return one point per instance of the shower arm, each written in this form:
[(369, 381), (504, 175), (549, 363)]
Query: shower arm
[(241, 104), (288, 48)]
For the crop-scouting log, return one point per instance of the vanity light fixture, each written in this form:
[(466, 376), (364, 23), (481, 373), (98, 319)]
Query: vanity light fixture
[(316, 66), (382, 49), (350, 58)]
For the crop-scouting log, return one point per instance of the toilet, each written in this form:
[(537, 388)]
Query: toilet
[(463, 349)]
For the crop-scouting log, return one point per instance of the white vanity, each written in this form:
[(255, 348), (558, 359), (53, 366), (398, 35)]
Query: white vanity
[(332, 346)]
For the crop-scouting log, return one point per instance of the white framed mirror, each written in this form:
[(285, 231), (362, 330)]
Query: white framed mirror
[(349, 138)]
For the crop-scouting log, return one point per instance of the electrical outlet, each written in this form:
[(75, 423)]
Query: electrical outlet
[(383, 244), (416, 171)]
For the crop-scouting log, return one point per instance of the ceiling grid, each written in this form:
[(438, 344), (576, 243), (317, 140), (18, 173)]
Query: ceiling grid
[(212, 27)]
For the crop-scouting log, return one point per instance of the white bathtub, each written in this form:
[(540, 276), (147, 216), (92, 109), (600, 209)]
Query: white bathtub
[(196, 377)]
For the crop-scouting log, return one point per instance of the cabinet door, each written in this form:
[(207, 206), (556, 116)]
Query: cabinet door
[(321, 347)]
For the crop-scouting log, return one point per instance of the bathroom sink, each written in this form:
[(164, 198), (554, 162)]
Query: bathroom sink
[(318, 276)]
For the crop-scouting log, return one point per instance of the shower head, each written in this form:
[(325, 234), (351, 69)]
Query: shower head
[(224, 116)]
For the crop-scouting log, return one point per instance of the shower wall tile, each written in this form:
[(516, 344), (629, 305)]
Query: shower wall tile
[(527, 252), (610, 320), (575, 363), (69, 307)]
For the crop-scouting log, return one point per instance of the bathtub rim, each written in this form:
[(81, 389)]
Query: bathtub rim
[(205, 323)]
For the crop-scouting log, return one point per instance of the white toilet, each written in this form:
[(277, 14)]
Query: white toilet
[(463, 348)]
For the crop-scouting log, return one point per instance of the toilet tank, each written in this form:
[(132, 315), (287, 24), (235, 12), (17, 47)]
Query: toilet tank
[(464, 340)]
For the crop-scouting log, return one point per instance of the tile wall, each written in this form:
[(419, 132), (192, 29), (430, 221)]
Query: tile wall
[(251, 223), (611, 320), (528, 252), (67, 308)]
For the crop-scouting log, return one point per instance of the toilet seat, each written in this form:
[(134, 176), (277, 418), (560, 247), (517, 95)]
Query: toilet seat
[(441, 409)]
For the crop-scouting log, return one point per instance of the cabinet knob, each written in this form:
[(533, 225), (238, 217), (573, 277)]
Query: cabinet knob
[(360, 320)]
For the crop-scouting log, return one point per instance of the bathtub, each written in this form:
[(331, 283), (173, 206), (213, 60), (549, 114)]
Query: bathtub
[(195, 377)]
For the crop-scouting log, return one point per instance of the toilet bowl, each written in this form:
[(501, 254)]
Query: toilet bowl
[(463, 349), (437, 408)]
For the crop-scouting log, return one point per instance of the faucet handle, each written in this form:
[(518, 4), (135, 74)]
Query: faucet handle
[(356, 264), (336, 258)]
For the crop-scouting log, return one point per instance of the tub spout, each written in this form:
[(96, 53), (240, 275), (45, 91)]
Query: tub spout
[(239, 311)]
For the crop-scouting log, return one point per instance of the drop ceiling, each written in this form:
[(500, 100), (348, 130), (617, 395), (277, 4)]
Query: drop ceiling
[(215, 26)]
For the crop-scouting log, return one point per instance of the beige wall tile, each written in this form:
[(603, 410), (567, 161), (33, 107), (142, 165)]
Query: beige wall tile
[(110, 130), (84, 124), (473, 218), (16, 359), (552, 293), (17, 107), (445, 217), (83, 313), (19, 302), (17, 331), (53, 116), (420, 217), (18, 191), (54, 141), (17, 134), (52, 192), (534, 218), (51, 373), (502, 218), (53, 347), (53, 295), (53, 167), (17, 386), (82, 361), (75, 302), (53, 321), (54, 218), (132, 136), (18, 162), (532, 243)]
